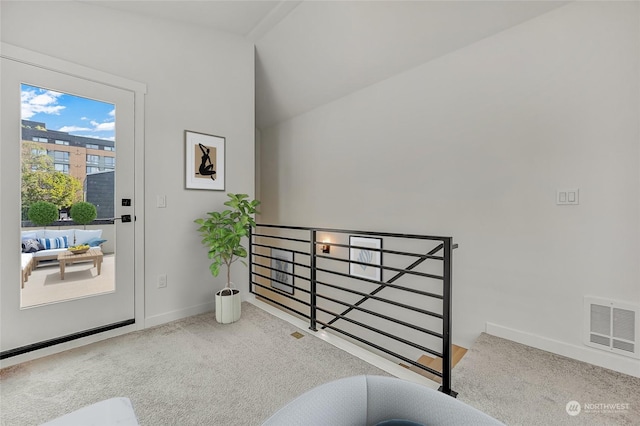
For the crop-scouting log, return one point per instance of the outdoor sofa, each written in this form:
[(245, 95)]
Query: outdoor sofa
[(45, 244)]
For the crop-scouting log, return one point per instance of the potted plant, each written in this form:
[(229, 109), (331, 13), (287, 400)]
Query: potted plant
[(83, 213), (222, 234), (43, 213)]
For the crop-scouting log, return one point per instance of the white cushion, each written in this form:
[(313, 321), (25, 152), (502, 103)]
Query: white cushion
[(49, 253), (32, 234), (26, 259), (28, 235), (53, 252), (82, 236)]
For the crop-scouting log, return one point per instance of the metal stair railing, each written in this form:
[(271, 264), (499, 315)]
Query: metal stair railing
[(384, 318)]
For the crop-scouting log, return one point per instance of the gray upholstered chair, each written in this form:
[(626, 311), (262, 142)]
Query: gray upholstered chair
[(373, 400)]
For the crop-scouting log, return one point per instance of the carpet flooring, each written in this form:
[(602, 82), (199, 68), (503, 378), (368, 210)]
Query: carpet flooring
[(189, 372), (520, 385), (198, 372)]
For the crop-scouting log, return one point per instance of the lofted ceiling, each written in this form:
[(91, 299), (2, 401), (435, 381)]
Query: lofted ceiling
[(309, 53)]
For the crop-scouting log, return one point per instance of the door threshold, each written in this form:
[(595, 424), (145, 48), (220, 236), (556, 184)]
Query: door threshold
[(59, 340)]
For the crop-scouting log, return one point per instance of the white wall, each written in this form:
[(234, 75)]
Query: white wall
[(198, 80), (475, 145)]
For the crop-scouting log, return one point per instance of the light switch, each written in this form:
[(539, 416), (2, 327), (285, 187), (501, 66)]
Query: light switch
[(161, 201), (562, 197), (567, 197)]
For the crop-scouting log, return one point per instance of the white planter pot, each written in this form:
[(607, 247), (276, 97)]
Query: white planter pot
[(228, 303)]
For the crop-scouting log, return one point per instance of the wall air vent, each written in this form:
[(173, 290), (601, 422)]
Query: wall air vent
[(612, 326)]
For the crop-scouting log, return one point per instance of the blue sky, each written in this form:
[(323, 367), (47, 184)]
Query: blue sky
[(68, 113)]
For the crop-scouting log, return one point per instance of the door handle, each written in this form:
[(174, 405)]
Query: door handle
[(124, 218)]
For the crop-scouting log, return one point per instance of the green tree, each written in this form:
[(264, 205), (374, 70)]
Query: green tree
[(83, 213), (34, 158), (40, 182), (43, 213)]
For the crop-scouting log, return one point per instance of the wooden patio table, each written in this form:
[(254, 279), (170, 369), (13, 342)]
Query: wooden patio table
[(67, 258)]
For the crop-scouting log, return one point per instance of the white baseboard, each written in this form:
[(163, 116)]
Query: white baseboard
[(73, 344), (149, 322), (611, 361), (166, 317), (373, 359)]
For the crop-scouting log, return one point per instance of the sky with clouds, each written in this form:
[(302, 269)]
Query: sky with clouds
[(68, 113)]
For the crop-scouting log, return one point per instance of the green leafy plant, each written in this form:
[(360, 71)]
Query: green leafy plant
[(43, 213), (83, 213), (40, 182), (222, 232)]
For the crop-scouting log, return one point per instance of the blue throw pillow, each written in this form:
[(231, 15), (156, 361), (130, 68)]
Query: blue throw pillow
[(95, 242), (54, 243)]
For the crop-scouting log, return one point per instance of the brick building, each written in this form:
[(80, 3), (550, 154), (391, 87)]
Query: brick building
[(78, 156)]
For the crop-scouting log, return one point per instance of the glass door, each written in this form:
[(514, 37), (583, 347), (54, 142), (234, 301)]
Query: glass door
[(67, 152)]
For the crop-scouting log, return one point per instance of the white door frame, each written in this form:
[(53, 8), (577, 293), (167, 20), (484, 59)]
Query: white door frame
[(29, 57)]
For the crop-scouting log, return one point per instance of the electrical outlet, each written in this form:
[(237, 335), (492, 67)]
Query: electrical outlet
[(161, 201), (162, 281)]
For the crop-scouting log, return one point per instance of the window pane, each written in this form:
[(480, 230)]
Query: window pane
[(60, 156), (74, 131), (60, 137), (64, 168)]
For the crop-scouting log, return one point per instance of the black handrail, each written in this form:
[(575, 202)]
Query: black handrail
[(328, 265), (391, 280)]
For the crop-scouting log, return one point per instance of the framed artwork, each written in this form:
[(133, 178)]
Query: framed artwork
[(362, 253), (282, 270), (204, 158)]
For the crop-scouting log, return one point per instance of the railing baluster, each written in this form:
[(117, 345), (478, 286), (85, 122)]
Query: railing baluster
[(250, 260), (333, 277), (446, 320), (312, 261)]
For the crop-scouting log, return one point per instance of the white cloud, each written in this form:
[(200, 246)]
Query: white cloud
[(70, 129), (112, 113), (103, 127), (32, 103)]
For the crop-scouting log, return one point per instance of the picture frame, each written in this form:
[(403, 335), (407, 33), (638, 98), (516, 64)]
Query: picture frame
[(204, 161), (367, 256), (282, 270)]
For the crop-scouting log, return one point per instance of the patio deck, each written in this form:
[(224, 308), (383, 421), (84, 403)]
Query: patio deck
[(80, 280)]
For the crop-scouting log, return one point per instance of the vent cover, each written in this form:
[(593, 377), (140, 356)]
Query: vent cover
[(612, 326)]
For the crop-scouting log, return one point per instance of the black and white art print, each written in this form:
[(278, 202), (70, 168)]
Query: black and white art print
[(282, 270), (204, 158), (365, 250)]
